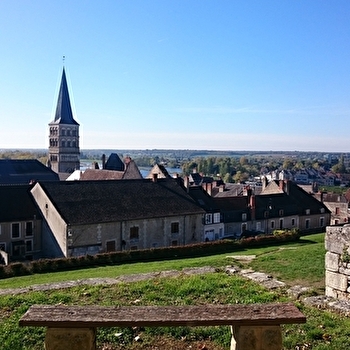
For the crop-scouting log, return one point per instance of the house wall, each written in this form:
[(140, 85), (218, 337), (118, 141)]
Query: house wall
[(54, 221), (309, 222), (214, 231), (157, 232), (25, 246), (339, 212), (152, 233)]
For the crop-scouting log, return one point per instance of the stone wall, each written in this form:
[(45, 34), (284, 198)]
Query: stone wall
[(337, 262)]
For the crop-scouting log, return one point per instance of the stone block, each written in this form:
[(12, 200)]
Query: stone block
[(330, 292), (332, 261), (337, 238), (70, 338), (344, 271), (336, 281), (256, 338)]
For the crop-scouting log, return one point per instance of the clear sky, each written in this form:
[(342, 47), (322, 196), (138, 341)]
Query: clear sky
[(179, 74)]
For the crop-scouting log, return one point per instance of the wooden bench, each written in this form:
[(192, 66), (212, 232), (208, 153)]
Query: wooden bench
[(253, 326)]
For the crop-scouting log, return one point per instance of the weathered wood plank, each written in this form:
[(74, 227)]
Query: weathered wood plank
[(161, 316)]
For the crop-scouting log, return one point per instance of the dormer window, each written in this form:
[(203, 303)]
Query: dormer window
[(307, 211)]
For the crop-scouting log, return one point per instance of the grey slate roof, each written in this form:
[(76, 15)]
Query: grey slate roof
[(64, 113), (87, 202), (17, 204), (114, 163), (23, 171)]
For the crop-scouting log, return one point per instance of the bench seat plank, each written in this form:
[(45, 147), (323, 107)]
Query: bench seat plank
[(60, 316)]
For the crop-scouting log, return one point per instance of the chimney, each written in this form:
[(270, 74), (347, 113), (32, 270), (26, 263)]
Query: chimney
[(252, 206), (209, 188), (281, 185), (103, 161), (187, 183), (264, 182), (287, 187), (222, 188), (155, 178)]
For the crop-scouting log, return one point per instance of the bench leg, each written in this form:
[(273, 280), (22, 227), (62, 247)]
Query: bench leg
[(256, 338), (70, 338)]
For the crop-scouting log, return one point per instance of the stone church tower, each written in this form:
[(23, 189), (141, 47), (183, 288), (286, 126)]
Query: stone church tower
[(64, 152)]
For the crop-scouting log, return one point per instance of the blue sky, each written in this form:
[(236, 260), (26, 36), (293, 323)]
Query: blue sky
[(185, 74)]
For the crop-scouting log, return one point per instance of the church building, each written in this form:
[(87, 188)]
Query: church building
[(64, 151)]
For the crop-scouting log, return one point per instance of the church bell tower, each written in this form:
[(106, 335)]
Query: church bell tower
[(64, 151)]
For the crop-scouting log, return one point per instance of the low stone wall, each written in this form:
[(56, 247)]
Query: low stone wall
[(337, 262)]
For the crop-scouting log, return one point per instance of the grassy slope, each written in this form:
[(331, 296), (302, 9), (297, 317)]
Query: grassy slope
[(323, 330), (265, 254)]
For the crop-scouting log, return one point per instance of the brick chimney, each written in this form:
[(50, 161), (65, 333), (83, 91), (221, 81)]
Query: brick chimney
[(252, 203), (209, 188), (281, 185)]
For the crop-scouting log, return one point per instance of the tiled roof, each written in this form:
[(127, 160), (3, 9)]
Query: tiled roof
[(101, 174), (159, 170), (132, 171), (86, 202), (16, 203), (23, 171), (64, 113)]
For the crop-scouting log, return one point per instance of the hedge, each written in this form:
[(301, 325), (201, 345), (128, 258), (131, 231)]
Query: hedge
[(144, 255)]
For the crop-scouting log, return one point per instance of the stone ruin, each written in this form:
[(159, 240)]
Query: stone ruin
[(337, 262)]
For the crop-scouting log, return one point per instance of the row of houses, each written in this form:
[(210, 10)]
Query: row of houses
[(310, 176), (48, 219)]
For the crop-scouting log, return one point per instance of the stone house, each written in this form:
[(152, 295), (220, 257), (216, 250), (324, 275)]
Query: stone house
[(89, 217), (284, 204), (337, 204), (213, 224), (279, 205), (20, 224)]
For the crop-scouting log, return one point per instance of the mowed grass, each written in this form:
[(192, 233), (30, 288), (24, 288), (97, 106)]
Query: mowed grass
[(278, 256), (295, 263)]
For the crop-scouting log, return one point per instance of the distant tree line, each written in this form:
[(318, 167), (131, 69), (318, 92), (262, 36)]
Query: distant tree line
[(16, 154)]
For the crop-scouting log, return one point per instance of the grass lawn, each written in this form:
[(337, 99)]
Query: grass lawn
[(276, 254), (300, 262)]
